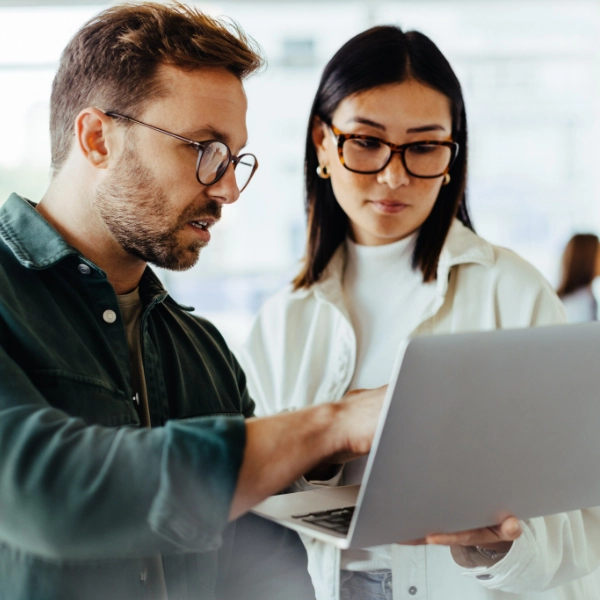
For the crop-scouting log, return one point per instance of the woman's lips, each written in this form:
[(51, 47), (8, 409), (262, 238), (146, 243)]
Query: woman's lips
[(389, 207)]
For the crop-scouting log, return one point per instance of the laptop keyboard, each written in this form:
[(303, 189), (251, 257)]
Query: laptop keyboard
[(337, 519)]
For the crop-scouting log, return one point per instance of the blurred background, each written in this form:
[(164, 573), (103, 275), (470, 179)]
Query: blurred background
[(531, 77)]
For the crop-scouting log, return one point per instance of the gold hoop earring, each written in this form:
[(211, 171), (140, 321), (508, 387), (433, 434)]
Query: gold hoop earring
[(446, 179), (323, 172)]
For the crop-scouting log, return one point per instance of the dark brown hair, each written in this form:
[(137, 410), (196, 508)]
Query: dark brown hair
[(579, 263), (112, 60), (380, 56)]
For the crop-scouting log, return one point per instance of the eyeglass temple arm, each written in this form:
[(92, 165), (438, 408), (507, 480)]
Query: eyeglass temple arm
[(198, 145)]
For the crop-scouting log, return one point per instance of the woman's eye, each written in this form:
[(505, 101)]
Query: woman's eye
[(423, 149), (366, 144)]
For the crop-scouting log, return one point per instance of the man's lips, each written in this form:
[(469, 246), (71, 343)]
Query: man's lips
[(201, 227), (202, 222), (388, 206)]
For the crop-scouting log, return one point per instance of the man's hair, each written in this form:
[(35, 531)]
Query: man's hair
[(111, 62)]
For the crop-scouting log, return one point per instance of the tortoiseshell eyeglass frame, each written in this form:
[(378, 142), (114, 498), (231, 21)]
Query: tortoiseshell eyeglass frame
[(395, 149), (200, 147)]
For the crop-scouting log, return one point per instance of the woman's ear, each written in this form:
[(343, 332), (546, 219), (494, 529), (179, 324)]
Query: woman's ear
[(319, 139)]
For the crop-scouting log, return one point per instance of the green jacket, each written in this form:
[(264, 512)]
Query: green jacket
[(85, 493)]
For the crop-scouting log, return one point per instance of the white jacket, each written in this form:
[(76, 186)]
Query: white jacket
[(301, 351)]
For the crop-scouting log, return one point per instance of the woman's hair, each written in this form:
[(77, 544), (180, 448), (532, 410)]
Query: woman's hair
[(579, 263), (112, 61), (380, 56)]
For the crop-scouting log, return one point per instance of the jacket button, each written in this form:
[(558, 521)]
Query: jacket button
[(412, 590), (84, 269), (110, 316)]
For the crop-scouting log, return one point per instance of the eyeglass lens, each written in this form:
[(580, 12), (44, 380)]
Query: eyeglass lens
[(425, 160), (215, 160)]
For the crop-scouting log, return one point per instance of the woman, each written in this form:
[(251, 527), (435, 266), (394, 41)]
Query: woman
[(391, 254), (581, 265)]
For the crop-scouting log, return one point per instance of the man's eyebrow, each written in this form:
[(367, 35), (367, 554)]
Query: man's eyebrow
[(210, 133), (206, 133)]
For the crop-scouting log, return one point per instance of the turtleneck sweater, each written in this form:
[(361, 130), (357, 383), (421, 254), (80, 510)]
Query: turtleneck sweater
[(386, 299)]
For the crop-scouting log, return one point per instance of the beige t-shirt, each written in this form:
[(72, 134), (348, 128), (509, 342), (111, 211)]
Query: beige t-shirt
[(131, 310), (152, 573)]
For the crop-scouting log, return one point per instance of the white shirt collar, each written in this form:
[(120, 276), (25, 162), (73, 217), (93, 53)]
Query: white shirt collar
[(462, 246)]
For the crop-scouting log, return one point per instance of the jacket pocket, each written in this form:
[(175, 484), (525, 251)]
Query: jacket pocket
[(96, 401)]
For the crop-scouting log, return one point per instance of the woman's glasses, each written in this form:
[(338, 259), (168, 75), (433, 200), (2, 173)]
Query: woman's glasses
[(214, 157), (368, 155)]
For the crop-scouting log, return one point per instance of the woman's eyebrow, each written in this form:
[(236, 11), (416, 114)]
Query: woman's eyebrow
[(364, 121), (432, 127), (420, 129)]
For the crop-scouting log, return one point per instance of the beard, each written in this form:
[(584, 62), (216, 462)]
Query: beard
[(135, 209)]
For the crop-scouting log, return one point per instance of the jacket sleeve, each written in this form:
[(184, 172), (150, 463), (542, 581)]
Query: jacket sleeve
[(262, 359), (550, 552), (556, 549), (69, 491)]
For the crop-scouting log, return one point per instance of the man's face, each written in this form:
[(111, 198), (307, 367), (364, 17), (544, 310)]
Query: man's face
[(149, 198)]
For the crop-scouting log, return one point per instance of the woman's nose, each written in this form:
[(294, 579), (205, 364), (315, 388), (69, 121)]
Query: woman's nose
[(395, 174)]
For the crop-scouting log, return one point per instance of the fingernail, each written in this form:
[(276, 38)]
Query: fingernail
[(513, 526)]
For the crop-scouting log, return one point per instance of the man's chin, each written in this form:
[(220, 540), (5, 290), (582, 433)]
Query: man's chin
[(181, 261)]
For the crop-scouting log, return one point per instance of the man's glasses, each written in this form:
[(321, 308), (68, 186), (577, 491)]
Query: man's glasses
[(214, 157), (368, 155)]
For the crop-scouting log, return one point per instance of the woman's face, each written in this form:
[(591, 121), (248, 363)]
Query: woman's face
[(387, 206)]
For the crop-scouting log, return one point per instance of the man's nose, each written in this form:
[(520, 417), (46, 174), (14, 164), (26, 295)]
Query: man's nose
[(395, 174), (226, 189)]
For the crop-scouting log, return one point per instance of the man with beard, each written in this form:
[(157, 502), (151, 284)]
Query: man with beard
[(124, 452)]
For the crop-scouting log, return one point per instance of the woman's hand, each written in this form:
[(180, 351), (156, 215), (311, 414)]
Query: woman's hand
[(498, 538)]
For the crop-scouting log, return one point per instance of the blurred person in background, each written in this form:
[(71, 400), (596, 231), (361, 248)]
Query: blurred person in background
[(580, 267), (391, 254)]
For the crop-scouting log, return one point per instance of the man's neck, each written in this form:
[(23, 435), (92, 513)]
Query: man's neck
[(68, 207)]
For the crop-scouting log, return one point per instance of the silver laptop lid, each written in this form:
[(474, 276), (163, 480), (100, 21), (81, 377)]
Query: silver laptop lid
[(481, 425)]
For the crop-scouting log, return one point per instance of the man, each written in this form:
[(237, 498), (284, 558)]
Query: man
[(123, 447), (122, 455)]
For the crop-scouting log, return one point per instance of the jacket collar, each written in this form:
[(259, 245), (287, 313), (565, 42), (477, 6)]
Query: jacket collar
[(462, 246), (32, 240), (37, 245)]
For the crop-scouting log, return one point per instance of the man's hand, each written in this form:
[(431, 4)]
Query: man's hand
[(281, 448), (356, 423), (366, 401)]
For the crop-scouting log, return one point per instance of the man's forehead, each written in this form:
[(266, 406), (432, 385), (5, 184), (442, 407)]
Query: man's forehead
[(201, 102)]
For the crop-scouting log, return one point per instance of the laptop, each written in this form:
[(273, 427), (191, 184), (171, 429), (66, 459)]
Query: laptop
[(474, 427)]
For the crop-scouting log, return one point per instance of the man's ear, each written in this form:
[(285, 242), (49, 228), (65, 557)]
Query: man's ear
[(92, 127)]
